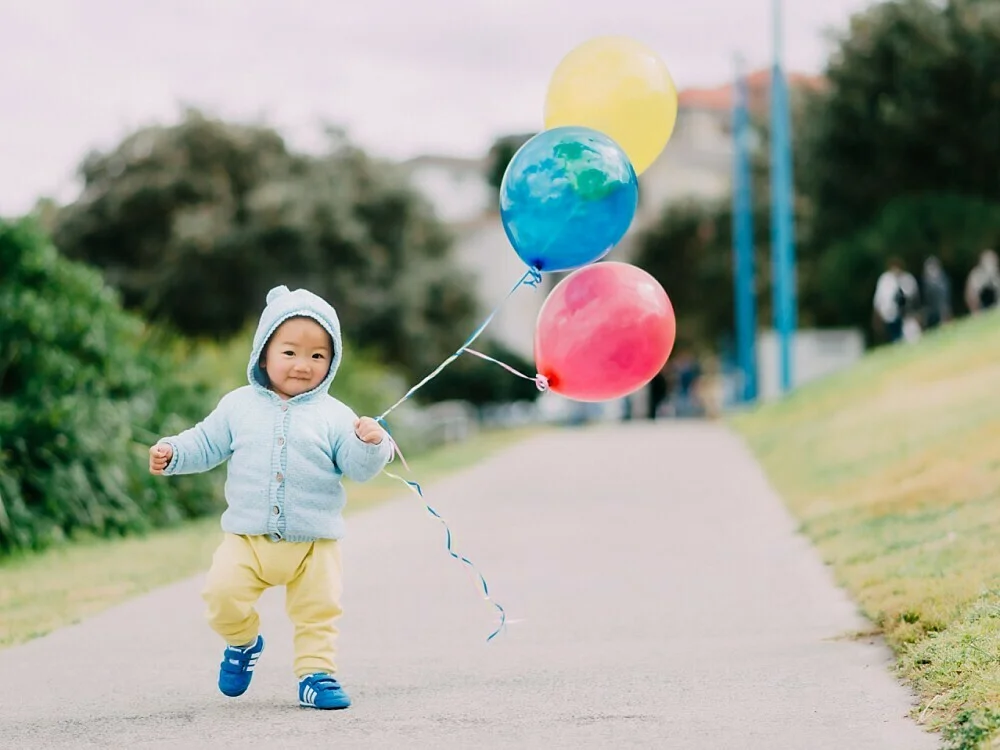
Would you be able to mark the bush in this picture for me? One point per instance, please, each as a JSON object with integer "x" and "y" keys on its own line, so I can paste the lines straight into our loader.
{"x": 84, "y": 389}
{"x": 192, "y": 223}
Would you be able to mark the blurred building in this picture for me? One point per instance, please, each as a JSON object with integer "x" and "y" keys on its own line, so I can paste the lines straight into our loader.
{"x": 697, "y": 163}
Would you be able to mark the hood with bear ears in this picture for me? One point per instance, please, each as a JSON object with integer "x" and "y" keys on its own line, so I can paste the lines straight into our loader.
{"x": 283, "y": 304}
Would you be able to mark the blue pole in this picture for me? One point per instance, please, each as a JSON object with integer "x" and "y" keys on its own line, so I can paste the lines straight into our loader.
{"x": 782, "y": 223}
{"x": 743, "y": 248}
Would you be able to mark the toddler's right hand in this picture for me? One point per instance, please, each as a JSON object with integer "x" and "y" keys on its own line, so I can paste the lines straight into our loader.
{"x": 159, "y": 457}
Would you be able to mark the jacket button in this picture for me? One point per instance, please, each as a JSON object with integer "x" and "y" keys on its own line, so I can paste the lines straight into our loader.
{"x": 281, "y": 441}
{"x": 279, "y": 476}
{"x": 277, "y": 510}
{"x": 284, "y": 407}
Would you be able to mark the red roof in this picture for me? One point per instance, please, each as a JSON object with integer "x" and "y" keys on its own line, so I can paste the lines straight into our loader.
{"x": 758, "y": 83}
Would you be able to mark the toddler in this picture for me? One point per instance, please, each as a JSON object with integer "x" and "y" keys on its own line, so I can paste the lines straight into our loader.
{"x": 288, "y": 443}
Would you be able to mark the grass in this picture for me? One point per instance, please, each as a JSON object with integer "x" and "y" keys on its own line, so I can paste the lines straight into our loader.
{"x": 45, "y": 591}
{"x": 893, "y": 470}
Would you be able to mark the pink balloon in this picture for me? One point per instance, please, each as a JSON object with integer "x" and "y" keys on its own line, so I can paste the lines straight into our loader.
{"x": 604, "y": 332}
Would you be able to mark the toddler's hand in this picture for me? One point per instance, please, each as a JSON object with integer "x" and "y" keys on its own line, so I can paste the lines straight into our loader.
{"x": 369, "y": 431}
{"x": 159, "y": 457}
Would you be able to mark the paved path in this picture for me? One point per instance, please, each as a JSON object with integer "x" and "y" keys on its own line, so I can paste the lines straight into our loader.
{"x": 666, "y": 603}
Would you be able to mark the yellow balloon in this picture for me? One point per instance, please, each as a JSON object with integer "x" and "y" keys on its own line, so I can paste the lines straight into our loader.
{"x": 619, "y": 87}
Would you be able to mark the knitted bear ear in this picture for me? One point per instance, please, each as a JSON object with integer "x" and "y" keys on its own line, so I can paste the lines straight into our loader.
{"x": 278, "y": 291}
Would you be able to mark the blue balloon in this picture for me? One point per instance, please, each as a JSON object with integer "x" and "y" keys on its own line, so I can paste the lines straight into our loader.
{"x": 567, "y": 198}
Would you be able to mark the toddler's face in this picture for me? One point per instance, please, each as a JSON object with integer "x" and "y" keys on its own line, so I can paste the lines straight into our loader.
{"x": 297, "y": 357}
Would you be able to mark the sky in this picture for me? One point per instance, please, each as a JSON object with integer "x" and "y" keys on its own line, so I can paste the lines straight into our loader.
{"x": 404, "y": 77}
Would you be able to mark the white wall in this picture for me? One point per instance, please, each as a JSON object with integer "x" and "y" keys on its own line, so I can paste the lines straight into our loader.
{"x": 458, "y": 192}
{"x": 696, "y": 163}
{"x": 815, "y": 353}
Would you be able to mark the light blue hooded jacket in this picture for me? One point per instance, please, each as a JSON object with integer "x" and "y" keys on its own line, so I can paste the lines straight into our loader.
{"x": 287, "y": 456}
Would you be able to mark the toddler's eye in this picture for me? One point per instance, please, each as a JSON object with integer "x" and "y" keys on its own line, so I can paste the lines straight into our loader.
{"x": 317, "y": 356}
{"x": 289, "y": 353}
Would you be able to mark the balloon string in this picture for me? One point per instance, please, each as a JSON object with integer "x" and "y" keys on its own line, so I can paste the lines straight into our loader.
{"x": 417, "y": 490}
{"x": 532, "y": 278}
{"x": 541, "y": 382}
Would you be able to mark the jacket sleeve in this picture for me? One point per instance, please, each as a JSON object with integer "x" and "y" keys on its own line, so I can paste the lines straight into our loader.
{"x": 204, "y": 446}
{"x": 357, "y": 460}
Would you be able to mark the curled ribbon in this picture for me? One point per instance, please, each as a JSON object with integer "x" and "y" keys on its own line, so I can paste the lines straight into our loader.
{"x": 416, "y": 489}
{"x": 541, "y": 382}
{"x": 532, "y": 278}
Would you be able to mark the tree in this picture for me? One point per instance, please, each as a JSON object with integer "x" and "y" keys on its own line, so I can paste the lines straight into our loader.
{"x": 912, "y": 105}
{"x": 84, "y": 389}
{"x": 899, "y": 155}
{"x": 194, "y": 222}
{"x": 689, "y": 251}
{"x": 501, "y": 153}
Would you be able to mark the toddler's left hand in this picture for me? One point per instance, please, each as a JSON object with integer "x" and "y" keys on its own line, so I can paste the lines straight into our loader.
{"x": 369, "y": 431}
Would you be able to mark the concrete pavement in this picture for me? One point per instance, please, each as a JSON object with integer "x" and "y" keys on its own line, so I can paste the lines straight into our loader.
{"x": 666, "y": 603}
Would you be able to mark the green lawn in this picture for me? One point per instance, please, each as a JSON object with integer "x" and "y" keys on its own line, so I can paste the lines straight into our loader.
{"x": 893, "y": 469}
{"x": 41, "y": 592}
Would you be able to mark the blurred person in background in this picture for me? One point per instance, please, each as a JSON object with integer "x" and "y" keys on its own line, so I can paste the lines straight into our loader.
{"x": 659, "y": 392}
{"x": 686, "y": 372}
{"x": 936, "y": 294}
{"x": 896, "y": 297}
{"x": 982, "y": 288}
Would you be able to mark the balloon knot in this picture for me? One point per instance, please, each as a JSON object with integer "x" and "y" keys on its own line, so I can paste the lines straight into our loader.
{"x": 533, "y": 277}
{"x": 541, "y": 382}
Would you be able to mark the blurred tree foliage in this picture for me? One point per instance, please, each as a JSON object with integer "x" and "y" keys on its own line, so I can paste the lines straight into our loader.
{"x": 194, "y": 222}
{"x": 689, "y": 249}
{"x": 912, "y": 105}
{"x": 688, "y": 252}
{"x": 900, "y": 154}
{"x": 501, "y": 153}
{"x": 84, "y": 389}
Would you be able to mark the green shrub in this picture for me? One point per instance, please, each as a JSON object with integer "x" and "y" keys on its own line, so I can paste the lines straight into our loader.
{"x": 84, "y": 389}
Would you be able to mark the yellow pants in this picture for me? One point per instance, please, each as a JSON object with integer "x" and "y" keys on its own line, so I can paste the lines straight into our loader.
{"x": 244, "y": 566}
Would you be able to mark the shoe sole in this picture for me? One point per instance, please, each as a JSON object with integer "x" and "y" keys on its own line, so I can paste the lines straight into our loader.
{"x": 303, "y": 704}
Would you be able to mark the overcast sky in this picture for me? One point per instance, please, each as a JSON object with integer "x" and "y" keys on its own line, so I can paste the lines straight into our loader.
{"x": 404, "y": 76}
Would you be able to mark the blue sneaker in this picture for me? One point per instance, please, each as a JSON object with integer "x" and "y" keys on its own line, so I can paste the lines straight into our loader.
{"x": 321, "y": 690}
{"x": 236, "y": 669}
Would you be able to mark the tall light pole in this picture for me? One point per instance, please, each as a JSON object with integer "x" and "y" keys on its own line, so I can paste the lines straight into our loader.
{"x": 782, "y": 221}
